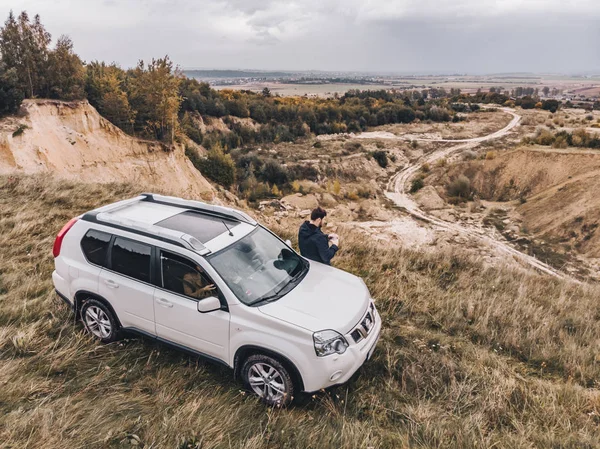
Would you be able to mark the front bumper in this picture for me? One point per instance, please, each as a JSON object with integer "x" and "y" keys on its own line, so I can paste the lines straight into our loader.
{"x": 337, "y": 369}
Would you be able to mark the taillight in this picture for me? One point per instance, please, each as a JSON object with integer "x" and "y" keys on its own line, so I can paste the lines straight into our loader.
{"x": 61, "y": 235}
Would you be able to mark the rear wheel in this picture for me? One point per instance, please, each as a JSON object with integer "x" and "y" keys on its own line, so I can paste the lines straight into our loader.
{"x": 99, "y": 321}
{"x": 269, "y": 379}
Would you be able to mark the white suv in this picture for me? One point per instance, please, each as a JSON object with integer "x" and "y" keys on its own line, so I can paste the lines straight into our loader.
{"x": 211, "y": 280}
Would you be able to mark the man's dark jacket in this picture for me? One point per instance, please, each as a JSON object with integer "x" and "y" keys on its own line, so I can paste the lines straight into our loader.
{"x": 314, "y": 245}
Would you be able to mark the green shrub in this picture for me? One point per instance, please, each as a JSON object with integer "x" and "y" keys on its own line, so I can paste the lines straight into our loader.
{"x": 365, "y": 192}
{"x": 301, "y": 171}
{"x": 550, "y": 105}
{"x": 459, "y": 187}
{"x": 193, "y": 133}
{"x": 259, "y": 192}
{"x": 273, "y": 172}
{"x": 381, "y": 158}
{"x": 439, "y": 114}
{"x": 560, "y": 142}
{"x": 20, "y": 130}
{"x": 193, "y": 156}
{"x": 353, "y": 146}
{"x": 416, "y": 185}
{"x": 218, "y": 167}
{"x": 544, "y": 137}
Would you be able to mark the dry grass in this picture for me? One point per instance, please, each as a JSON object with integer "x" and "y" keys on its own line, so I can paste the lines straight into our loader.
{"x": 469, "y": 357}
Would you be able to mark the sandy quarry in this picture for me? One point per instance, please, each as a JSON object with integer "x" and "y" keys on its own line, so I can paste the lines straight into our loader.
{"x": 71, "y": 140}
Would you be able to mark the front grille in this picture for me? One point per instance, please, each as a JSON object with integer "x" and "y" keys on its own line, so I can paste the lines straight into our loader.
{"x": 362, "y": 330}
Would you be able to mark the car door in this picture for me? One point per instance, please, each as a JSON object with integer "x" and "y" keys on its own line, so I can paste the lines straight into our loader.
{"x": 176, "y": 308}
{"x": 127, "y": 283}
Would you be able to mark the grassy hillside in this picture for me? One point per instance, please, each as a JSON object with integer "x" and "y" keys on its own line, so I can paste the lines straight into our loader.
{"x": 469, "y": 357}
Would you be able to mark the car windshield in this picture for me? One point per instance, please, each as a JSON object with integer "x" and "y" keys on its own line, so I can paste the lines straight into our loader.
{"x": 259, "y": 267}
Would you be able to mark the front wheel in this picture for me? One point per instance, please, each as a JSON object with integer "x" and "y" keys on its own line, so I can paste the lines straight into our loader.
{"x": 269, "y": 379}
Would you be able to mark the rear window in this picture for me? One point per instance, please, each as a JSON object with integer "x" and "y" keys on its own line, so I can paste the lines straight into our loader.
{"x": 131, "y": 259}
{"x": 95, "y": 246}
{"x": 203, "y": 227}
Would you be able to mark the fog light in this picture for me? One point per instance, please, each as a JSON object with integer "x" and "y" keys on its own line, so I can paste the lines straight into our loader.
{"x": 335, "y": 376}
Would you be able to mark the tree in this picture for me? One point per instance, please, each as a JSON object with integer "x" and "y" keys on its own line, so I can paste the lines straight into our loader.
{"x": 154, "y": 95}
{"x": 104, "y": 88}
{"x": 526, "y": 102}
{"x": 550, "y": 105}
{"x": 10, "y": 93}
{"x": 115, "y": 107}
{"x": 24, "y": 47}
{"x": 546, "y": 91}
{"x": 66, "y": 75}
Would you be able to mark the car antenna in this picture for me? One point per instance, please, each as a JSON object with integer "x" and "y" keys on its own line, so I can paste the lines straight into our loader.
{"x": 225, "y": 224}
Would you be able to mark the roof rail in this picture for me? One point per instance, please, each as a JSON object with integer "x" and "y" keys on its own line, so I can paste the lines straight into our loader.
{"x": 198, "y": 206}
{"x": 177, "y": 238}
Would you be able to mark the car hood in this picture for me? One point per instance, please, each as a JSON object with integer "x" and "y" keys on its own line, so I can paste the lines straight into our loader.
{"x": 327, "y": 298}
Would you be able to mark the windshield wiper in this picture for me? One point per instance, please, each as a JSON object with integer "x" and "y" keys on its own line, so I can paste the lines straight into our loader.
{"x": 275, "y": 295}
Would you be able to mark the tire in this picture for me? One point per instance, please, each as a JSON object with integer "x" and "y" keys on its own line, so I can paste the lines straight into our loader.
{"x": 99, "y": 321}
{"x": 269, "y": 379}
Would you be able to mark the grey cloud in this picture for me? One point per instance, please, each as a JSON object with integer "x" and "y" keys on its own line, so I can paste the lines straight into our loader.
{"x": 366, "y": 35}
{"x": 249, "y": 6}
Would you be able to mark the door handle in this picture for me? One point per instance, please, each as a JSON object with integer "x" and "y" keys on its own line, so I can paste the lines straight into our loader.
{"x": 111, "y": 284}
{"x": 165, "y": 303}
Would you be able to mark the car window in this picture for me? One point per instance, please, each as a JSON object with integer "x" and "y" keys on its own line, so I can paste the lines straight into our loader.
{"x": 131, "y": 259}
{"x": 184, "y": 277}
{"x": 95, "y": 246}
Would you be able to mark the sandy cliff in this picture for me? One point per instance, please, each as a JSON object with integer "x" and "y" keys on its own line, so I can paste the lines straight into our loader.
{"x": 71, "y": 140}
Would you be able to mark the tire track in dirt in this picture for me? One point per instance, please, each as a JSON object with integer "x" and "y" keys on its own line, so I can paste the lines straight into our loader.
{"x": 397, "y": 192}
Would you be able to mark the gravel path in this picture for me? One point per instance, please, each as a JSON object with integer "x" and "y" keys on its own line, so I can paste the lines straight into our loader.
{"x": 397, "y": 191}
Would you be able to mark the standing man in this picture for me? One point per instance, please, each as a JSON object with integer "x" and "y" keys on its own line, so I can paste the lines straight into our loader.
{"x": 313, "y": 243}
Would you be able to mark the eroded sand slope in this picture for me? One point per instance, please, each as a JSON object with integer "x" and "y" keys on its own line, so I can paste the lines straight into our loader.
{"x": 71, "y": 140}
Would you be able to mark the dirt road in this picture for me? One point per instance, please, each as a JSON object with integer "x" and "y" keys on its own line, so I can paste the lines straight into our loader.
{"x": 397, "y": 191}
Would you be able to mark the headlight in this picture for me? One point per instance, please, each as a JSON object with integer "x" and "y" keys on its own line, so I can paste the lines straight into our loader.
{"x": 329, "y": 342}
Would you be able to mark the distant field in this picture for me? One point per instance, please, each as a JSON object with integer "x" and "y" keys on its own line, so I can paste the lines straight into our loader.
{"x": 321, "y": 90}
{"x": 592, "y": 91}
{"x": 467, "y": 84}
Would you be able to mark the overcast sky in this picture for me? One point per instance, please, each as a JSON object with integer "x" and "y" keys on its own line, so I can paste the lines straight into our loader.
{"x": 459, "y": 36}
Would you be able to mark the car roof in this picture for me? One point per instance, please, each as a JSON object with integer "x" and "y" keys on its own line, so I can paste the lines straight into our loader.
{"x": 200, "y": 227}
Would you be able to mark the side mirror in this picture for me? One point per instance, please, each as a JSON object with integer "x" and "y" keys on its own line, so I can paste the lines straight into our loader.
{"x": 209, "y": 304}
{"x": 288, "y": 242}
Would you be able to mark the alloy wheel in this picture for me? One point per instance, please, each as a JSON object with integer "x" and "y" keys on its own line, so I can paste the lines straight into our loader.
{"x": 97, "y": 322}
{"x": 267, "y": 382}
